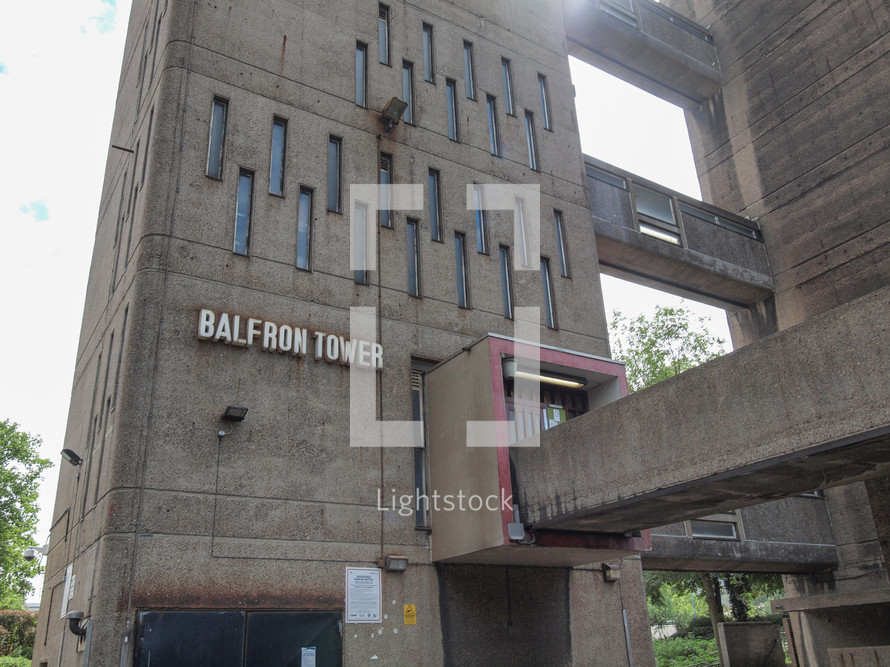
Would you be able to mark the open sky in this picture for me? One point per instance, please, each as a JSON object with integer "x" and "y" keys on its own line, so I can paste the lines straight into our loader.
{"x": 59, "y": 68}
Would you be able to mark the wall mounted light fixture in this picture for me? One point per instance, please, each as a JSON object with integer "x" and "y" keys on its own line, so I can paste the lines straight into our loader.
{"x": 234, "y": 414}
{"x": 71, "y": 456}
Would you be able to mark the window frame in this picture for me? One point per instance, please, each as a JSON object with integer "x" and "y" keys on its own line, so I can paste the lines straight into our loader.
{"x": 544, "y": 94}
{"x": 241, "y": 246}
{"x": 480, "y": 216}
{"x": 361, "y": 75}
{"x": 216, "y": 138}
{"x": 462, "y": 274}
{"x": 506, "y": 280}
{"x": 451, "y": 109}
{"x": 383, "y": 35}
{"x": 429, "y": 62}
{"x": 549, "y": 297}
{"x": 361, "y": 276}
{"x": 435, "y": 210}
{"x": 507, "y": 75}
{"x": 384, "y": 182}
{"x": 408, "y": 91}
{"x": 494, "y": 139}
{"x": 336, "y": 174}
{"x": 412, "y": 225}
{"x": 469, "y": 71}
{"x": 531, "y": 141}
{"x": 561, "y": 249}
{"x": 278, "y": 121}
{"x": 307, "y": 252}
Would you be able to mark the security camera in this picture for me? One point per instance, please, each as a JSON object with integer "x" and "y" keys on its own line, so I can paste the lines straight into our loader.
{"x": 30, "y": 554}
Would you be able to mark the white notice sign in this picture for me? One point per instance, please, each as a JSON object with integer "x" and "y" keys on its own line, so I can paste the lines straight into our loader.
{"x": 364, "y": 598}
{"x": 307, "y": 656}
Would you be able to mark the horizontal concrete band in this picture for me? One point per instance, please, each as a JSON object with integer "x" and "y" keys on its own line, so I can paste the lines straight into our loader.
{"x": 806, "y": 408}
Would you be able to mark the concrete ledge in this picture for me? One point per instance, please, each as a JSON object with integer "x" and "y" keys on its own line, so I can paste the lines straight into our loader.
{"x": 806, "y": 408}
{"x": 832, "y": 600}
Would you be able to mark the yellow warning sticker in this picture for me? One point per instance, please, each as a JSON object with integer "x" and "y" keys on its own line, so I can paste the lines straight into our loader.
{"x": 410, "y": 614}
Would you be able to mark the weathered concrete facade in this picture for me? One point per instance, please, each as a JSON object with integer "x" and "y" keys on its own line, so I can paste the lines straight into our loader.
{"x": 174, "y": 509}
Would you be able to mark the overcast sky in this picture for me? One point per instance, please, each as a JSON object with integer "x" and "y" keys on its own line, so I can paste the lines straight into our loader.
{"x": 59, "y": 70}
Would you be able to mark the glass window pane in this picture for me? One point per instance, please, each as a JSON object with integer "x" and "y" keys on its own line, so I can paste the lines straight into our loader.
{"x": 383, "y": 34}
{"x": 361, "y": 74}
{"x": 481, "y": 220}
{"x": 549, "y": 312}
{"x": 304, "y": 229}
{"x": 561, "y": 244}
{"x": 545, "y": 102}
{"x": 408, "y": 91}
{"x": 714, "y": 529}
{"x": 360, "y": 251}
{"x": 451, "y": 102}
{"x": 508, "y": 85}
{"x": 506, "y": 282}
{"x": 276, "y": 162}
{"x": 520, "y": 232}
{"x": 530, "y": 140}
{"x": 242, "y": 212}
{"x": 385, "y": 180}
{"x": 654, "y": 204}
{"x": 428, "y": 73}
{"x": 334, "y": 174}
{"x": 469, "y": 74}
{"x": 493, "y": 140}
{"x": 411, "y": 244}
{"x": 460, "y": 258}
{"x": 217, "y": 138}
{"x": 435, "y": 230}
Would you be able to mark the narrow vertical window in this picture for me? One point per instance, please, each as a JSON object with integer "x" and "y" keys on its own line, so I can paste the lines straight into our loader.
{"x": 460, "y": 259}
{"x": 217, "y": 138}
{"x": 385, "y": 180}
{"x": 561, "y": 244}
{"x": 361, "y": 74}
{"x": 506, "y": 282}
{"x": 243, "y": 212}
{"x": 530, "y": 141}
{"x": 413, "y": 263}
{"x": 549, "y": 312}
{"x": 421, "y": 519}
{"x": 120, "y": 358}
{"x": 276, "y": 161}
{"x": 151, "y": 117}
{"x": 304, "y": 229}
{"x": 507, "y": 72}
{"x": 481, "y": 220}
{"x": 545, "y": 101}
{"x": 408, "y": 91}
{"x": 469, "y": 73}
{"x": 360, "y": 245}
{"x": 383, "y": 33}
{"x": 494, "y": 144}
{"x": 334, "y": 145}
{"x": 451, "y": 101}
{"x": 435, "y": 206}
{"x": 520, "y": 232}
{"x": 428, "y": 64}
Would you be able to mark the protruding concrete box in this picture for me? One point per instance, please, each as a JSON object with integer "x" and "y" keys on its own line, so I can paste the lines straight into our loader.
{"x": 476, "y": 411}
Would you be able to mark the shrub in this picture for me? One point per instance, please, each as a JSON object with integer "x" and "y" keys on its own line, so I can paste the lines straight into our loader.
{"x": 17, "y": 630}
{"x": 9, "y": 661}
{"x": 697, "y": 628}
{"x": 676, "y": 652}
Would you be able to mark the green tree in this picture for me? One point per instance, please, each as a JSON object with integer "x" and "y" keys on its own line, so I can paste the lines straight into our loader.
{"x": 20, "y": 472}
{"x": 670, "y": 342}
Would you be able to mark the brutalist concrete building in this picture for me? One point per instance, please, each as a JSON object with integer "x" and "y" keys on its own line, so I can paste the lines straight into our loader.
{"x": 344, "y": 392}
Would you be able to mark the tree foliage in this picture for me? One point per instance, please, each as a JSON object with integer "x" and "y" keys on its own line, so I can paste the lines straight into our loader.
{"x": 653, "y": 349}
{"x": 20, "y": 472}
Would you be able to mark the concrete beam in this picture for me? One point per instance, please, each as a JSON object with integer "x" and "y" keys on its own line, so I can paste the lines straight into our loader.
{"x": 651, "y": 47}
{"x": 806, "y": 408}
